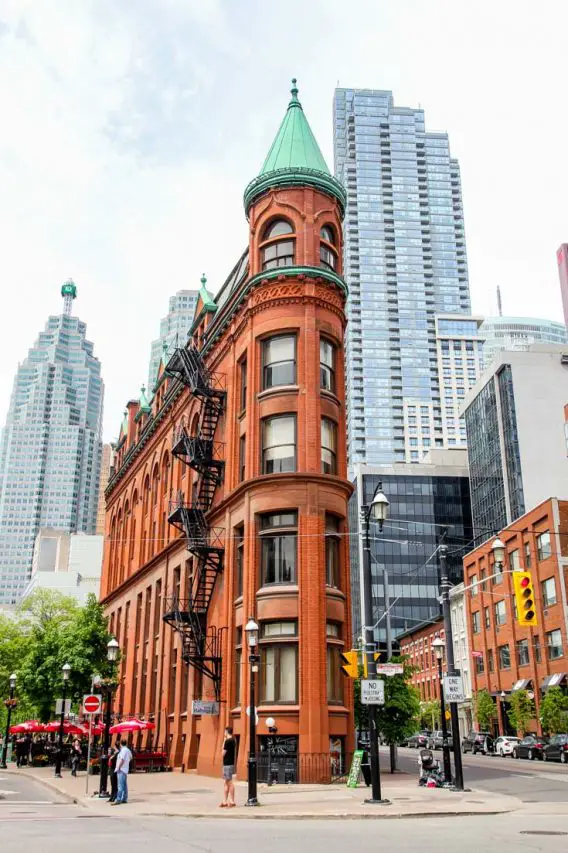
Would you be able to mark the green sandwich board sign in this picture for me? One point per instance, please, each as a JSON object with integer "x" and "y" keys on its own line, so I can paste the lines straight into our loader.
{"x": 355, "y": 771}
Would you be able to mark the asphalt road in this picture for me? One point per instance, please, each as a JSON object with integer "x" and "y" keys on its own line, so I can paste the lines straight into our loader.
{"x": 69, "y": 832}
{"x": 31, "y": 818}
{"x": 531, "y": 781}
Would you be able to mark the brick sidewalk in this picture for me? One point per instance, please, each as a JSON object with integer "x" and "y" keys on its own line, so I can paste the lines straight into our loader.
{"x": 190, "y": 795}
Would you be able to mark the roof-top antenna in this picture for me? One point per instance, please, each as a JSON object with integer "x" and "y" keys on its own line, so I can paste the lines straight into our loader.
{"x": 499, "y": 305}
{"x": 69, "y": 293}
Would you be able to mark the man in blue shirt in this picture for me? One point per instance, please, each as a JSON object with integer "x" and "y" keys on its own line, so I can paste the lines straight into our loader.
{"x": 122, "y": 769}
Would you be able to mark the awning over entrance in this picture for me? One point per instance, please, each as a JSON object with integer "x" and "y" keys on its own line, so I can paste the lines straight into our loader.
{"x": 521, "y": 684}
{"x": 554, "y": 680}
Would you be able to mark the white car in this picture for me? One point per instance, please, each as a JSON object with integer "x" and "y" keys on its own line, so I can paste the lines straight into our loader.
{"x": 505, "y": 745}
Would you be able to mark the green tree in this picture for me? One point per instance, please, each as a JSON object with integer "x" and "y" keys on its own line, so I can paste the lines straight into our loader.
{"x": 554, "y": 711}
{"x": 485, "y": 709}
{"x": 57, "y": 632}
{"x": 521, "y": 710}
{"x": 398, "y": 717}
{"x": 430, "y": 714}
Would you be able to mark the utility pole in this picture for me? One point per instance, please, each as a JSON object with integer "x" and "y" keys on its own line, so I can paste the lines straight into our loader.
{"x": 445, "y": 595}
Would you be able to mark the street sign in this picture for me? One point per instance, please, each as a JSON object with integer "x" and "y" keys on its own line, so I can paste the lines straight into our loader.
{"x": 206, "y": 709}
{"x": 92, "y": 703}
{"x": 453, "y": 688}
{"x": 59, "y": 708}
{"x": 390, "y": 669}
{"x": 372, "y": 691}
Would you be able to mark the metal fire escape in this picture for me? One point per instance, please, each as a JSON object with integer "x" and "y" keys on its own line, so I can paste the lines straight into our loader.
{"x": 201, "y": 643}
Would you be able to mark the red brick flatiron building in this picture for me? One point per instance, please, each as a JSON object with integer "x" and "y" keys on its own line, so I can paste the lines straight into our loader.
{"x": 229, "y": 494}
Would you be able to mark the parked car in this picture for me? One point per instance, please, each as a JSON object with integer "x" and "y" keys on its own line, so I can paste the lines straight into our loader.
{"x": 421, "y": 740}
{"x": 505, "y": 745}
{"x": 477, "y": 742}
{"x": 531, "y": 746}
{"x": 556, "y": 749}
{"x": 437, "y": 739}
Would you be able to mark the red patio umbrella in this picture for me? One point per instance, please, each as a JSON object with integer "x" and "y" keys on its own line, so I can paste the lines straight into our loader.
{"x": 132, "y": 726}
{"x": 29, "y": 727}
{"x": 68, "y": 728}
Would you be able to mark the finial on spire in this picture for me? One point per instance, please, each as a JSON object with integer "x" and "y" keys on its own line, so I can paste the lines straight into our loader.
{"x": 499, "y": 304}
{"x": 203, "y": 279}
{"x": 294, "y": 92}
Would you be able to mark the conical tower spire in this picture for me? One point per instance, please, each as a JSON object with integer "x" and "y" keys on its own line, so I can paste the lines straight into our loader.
{"x": 294, "y": 158}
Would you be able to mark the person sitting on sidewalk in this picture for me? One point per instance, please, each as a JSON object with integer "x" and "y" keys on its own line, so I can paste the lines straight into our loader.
{"x": 229, "y": 755}
{"x": 122, "y": 770}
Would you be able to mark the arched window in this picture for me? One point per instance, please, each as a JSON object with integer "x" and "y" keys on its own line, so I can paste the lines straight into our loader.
{"x": 328, "y": 251}
{"x": 276, "y": 248}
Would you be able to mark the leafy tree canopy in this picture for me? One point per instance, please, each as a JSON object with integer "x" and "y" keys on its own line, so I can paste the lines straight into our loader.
{"x": 554, "y": 711}
{"x": 48, "y": 631}
{"x": 485, "y": 709}
{"x": 521, "y": 710}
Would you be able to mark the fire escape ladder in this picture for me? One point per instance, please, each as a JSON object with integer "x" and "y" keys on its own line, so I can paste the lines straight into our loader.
{"x": 201, "y": 643}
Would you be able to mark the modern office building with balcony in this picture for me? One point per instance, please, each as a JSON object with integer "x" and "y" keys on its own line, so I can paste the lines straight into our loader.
{"x": 50, "y": 454}
{"x": 515, "y": 435}
{"x": 405, "y": 261}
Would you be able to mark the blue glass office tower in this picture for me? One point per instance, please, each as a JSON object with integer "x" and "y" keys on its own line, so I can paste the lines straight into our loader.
{"x": 50, "y": 454}
{"x": 405, "y": 261}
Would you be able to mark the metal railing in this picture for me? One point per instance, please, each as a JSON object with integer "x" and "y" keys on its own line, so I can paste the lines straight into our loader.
{"x": 321, "y": 768}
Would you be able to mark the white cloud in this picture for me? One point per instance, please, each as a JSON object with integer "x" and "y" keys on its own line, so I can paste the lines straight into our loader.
{"x": 129, "y": 130}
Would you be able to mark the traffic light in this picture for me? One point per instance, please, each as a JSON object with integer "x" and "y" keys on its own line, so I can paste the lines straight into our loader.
{"x": 525, "y": 599}
{"x": 350, "y": 663}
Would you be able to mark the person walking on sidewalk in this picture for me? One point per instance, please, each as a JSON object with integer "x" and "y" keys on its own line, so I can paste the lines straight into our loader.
{"x": 122, "y": 770}
{"x": 76, "y": 755}
{"x": 229, "y": 756}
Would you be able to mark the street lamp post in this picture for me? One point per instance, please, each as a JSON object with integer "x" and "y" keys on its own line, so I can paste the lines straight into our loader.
{"x": 9, "y": 705}
{"x": 451, "y": 667}
{"x": 66, "y": 671}
{"x": 438, "y": 646}
{"x": 112, "y": 655}
{"x": 378, "y": 511}
{"x": 503, "y": 698}
{"x": 251, "y": 631}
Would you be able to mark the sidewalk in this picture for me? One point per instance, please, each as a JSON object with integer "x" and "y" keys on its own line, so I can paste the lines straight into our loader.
{"x": 192, "y": 796}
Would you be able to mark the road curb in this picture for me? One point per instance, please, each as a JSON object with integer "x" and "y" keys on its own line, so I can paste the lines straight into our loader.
{"x": 51, "y": 786}
{"x": 339, "y": 816}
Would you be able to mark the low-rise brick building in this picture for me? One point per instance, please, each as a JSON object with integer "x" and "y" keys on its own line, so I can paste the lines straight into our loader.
{"x": 505, "y": 656}
{"x": 416, "y": 645}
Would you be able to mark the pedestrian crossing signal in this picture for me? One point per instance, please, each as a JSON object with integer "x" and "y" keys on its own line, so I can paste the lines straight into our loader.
{"x": 525, "y": 599}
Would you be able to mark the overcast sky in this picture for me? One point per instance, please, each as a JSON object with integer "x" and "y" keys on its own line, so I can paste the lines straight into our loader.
{"x": 129, "y": 129}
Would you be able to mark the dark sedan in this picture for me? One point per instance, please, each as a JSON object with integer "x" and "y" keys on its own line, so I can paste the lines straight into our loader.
{"x": 556, "y": 749}
{"x": 421, "y": 740}
{"x": 530, "y": 747}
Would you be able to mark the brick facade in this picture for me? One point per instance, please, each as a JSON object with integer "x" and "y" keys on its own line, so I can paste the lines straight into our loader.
{"x": 416, "y": 645}
{"x": 147, "y": 565}
{"x": 505, "y": 655}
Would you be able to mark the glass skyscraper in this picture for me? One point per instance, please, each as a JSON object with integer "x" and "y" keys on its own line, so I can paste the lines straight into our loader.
{"x": 174, "y": 331}
{"x": 405, "y": 261}
{"x": 50, "y": 454}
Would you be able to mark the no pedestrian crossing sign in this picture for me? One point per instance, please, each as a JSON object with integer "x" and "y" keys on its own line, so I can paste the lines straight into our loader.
{"x": 92, "y": 703}
{"x": 372, "y": 691}
{"x": 453, "y": 688}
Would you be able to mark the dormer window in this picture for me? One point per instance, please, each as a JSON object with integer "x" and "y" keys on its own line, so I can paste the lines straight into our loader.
{"x": 328, "y": 250}
{"x": 276, "y": 248}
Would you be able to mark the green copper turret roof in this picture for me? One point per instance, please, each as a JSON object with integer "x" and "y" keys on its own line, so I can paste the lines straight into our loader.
{"x": 294, "y": 159}
{"x": 144, "y": 404}
{"x": 206, "y": 297}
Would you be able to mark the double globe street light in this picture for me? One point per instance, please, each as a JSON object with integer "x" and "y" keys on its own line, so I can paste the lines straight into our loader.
{"x": 10, "y": 704}
{"x": 112, "y": 657}
{"x": 251, "y": 631}
{"x": 439, "y": 645}
{"x": 66, "y": 672}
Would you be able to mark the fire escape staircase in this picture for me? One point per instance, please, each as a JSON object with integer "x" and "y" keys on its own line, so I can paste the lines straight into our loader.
{"x": 201, "y": 643}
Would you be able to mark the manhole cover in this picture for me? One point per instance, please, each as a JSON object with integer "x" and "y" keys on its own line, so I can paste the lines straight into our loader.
{"x": 541, "y": 832}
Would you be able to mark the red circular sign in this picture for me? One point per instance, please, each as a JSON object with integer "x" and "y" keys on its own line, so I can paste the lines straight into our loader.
{"x": 91, "y": 704}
